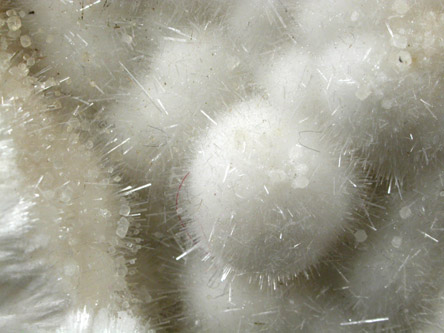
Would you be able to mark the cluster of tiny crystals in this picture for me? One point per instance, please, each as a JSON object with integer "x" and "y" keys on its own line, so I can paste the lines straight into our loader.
{"x": 82, "y": 230}
{"x": 235, "y": 165}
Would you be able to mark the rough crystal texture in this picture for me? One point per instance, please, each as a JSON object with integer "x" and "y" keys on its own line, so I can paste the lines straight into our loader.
{"x": 221, "y": 165}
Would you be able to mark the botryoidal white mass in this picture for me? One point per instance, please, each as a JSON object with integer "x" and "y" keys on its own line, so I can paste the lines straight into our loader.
{"x": 84, "y": 41}
{"x": 58, "y": 235}
{"x": 267, "y": 186}
{"x": 381, "y": 80}
{"x": 167, "y": 106}
{"x": 263, "y": 195}
{"x": 238, "y": 304}
{"x": 92, "y": 44}
{"x": 390, "y": 276}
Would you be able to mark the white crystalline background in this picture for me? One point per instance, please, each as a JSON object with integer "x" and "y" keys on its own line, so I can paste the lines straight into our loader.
{"x": 221, "y": 166}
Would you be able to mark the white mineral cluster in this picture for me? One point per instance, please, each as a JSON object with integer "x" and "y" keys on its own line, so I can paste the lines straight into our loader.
{"x": 242, "y": 305}
{"x": 392, "y": 274}
{"x": 382, "y": 88}
{"x": 260, "y": 177}
{"x": 188, "y": 77}
{"x": 76, "y": 38}
{"x": 60, "y": 254}
{"x": 221, "y": 165}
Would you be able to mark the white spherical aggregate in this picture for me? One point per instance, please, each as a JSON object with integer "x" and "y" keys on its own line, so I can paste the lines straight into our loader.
{"x": 241, "y": 305}
{"x": 167, "y": 105}
{"x": 394, "y": 271}
{"x": 221, "y": 306}
{"x": 57, "y": 228}
{"x": 285, "y": 77}
{"x": 260, "y": 192}
{"x": 81, "y": 55}
{"x": 382, "y": 89}
{"x": 264, "y": 196}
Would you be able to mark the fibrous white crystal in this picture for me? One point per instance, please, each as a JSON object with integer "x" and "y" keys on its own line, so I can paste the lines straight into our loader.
{"x": 391, "y": 276}
{"x": 240, "y": 304}
{"x": 58, "y": 264}
{"x": 278, "y": 225}
{"x": 250, "y": 127}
